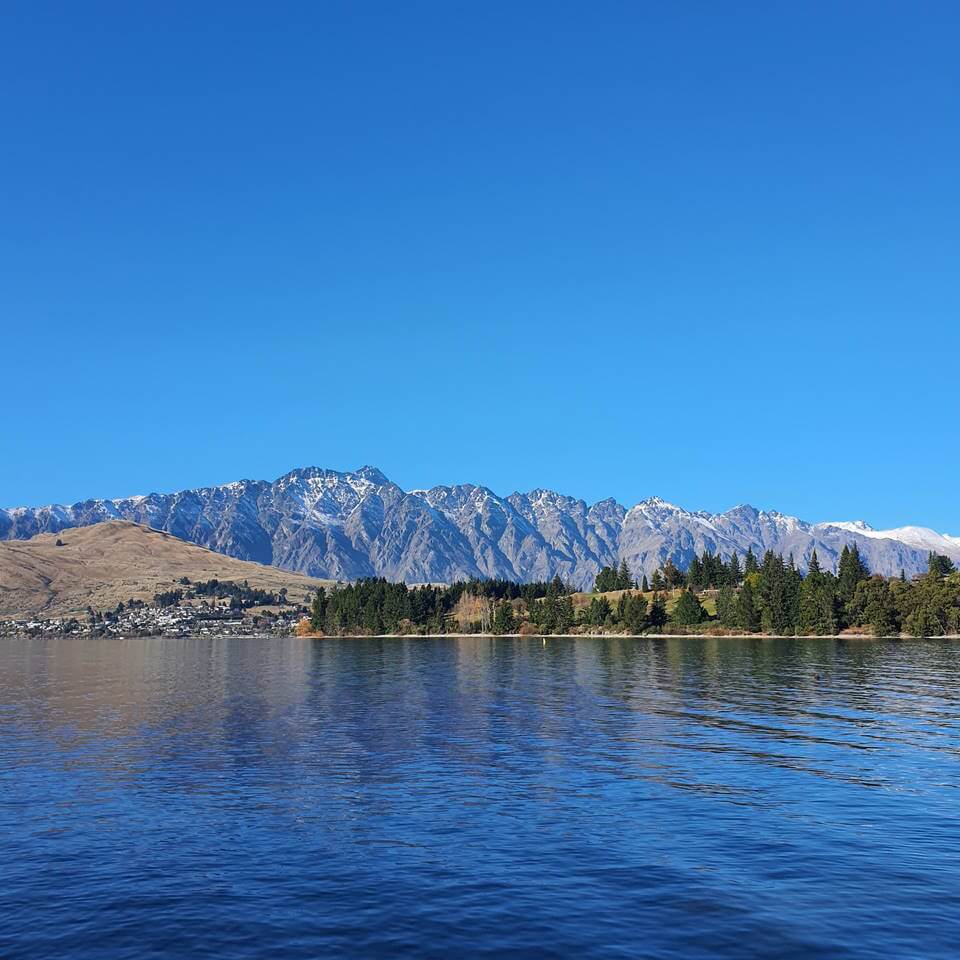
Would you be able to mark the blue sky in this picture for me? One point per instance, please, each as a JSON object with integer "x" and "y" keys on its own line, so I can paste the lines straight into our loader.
{"x": 705, "y": 251}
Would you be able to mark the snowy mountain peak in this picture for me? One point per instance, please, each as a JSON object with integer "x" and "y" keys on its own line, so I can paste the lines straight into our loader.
{"x": 857, "y": 526}
{"x": 372, "y": 474}
{"x": 658, "y": 504}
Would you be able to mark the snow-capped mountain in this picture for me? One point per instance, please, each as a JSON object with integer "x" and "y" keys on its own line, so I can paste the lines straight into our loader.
{"x": 354, "y": 524}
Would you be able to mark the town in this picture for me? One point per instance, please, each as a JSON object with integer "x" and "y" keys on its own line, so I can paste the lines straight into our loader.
{"x": 210, "y": 608}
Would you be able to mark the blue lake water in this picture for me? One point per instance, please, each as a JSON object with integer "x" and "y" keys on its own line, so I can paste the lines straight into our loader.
{"x": 479, "y": 798}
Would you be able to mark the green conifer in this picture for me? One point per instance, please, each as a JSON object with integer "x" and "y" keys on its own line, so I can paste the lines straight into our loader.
{"x": 688, "y": 610}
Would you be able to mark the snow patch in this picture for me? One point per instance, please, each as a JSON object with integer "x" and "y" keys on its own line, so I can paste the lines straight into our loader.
{"x": 922, "y": 538}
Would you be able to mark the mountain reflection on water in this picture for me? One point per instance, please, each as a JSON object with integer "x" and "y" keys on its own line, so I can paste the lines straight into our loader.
{"x": 590, "y": 797}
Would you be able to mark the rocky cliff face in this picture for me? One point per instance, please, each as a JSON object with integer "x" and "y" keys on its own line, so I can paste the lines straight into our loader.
{"x": 357, "y": 524}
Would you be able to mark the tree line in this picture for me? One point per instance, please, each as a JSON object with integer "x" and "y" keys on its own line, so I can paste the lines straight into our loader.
{"x": 769, "y": 595}
{"x": 375, "y": 605}
{"x": 241, "y": 595}
{"x": 772, "y": 596}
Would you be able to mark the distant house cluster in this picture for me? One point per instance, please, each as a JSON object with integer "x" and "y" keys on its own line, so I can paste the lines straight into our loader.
{"x": 214, "y": 608}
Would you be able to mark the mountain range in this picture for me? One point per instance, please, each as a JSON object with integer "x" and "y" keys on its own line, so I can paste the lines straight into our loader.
{"x": 346, "y": 525}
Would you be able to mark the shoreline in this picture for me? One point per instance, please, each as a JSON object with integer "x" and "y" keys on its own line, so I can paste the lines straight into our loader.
{"x": 624, "y": 636}
{"x": 482, "y": 636}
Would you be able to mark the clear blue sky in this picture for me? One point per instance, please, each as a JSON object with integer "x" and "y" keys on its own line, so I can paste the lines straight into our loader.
{"x": 706, "y": 251}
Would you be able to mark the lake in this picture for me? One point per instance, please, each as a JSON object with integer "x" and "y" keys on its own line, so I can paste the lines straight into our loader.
{"x": 480, "y": 797}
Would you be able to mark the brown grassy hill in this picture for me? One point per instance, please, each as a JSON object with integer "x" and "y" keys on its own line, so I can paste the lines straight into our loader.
{"x": 101, "y": 565}
{"x": 581, "y": 600}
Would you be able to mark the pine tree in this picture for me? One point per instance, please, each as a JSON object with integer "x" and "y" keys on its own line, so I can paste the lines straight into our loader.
{"x": 714, "y": 571}
{"x": 503, "y": 619}
{"x": 727, "y": 606}
{"x": 750, "y": 564}
{"x": 318, "y": 610}
{"x": 657, "y": 616}
{"x": 392, "y": 609}
{"x": 695, "y": 574}
{"x": 624, "y": 580}
{"x": 605, "y": 581}
{"x": 688, "y": 610}
{"x": 599, "y": 611}
{"x": 817, "y": 601}
{"x": 878, "y": 609}
{"x": 635, "y": 613}
{"x": 774, "y": 596}
{"x": 549, "y": 615}
{"x": 748, "y": 616}
{"x": 657, "y": 584}
{"x": 645, "y": 587}
{"x": 372, "y": 622}
{"x": 850, "y": 572}
{"x": 672, "y": 575}
{"x": 794, "y": 581}
{"x": 734, "y": 574}
{"x": 939, "y": 565}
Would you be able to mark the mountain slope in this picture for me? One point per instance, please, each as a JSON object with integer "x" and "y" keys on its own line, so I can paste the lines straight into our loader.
{"x": 101, "y": 565}
{"x": 345, "y": 525}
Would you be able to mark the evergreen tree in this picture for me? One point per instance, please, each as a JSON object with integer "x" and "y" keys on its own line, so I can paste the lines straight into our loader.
{"x": 774, "y": 596}
{"x": 794, "y": 581}
{"x": 372, "y": 622}
{"x": 549, "y": 615}
{"x": 392, "y": 610}
{"x": 635, "y": 613}
{"x": 606, "y": 580}
{"x": 727, "y": 606}
{"x": 809, "y": 599}
{"x": 318, "y": 610}
{"x": 624, "y": 580}
{"x": 695, "y": 578}
{"x": 750, "y": 564}
{"x": 872, "y": 605}
{"x": 645, "y": 587}
{"x": 934, "y": 606}
{"x": 503, "y": 619}
{"x": 658, "y": 584}
{"x": 658, "y": 613}
{"x": 688, "y": 609}
{"x": 714, "y": 571}
{"x": 734, "y": 574}
{"x": 565, "y": 614}
{"x": 599, "y": 611}
{"x": 620, "y": 611}
{"x": 673, "y": 576}
{"x": 939, "y": 565}
{"x": 850, "y": 572}
{"x": 816, "y": 606}
{"x": 748, "y": 616}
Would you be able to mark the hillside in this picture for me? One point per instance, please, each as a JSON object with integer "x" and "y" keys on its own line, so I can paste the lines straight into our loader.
{"x": 344, "y": 526}
{"x": 101, "y": 565}
{"x": 581, "y": 600}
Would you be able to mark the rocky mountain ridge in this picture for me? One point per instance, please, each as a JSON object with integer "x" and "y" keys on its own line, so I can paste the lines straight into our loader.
{"x": 345, "y": 525}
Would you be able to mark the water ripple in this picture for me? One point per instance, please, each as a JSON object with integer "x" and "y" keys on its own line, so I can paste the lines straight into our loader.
{"x": 479, "y": 797}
